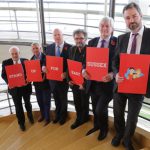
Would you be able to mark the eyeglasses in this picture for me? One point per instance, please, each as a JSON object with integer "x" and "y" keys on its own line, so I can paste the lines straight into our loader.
{"x": 82, "y": 38}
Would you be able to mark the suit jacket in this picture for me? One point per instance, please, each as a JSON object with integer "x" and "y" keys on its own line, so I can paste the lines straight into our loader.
{"x": 14, "y": 91}
{"x": 44, "y": 84}
{"x": 50, "y": 50}
{"x": 122, "y": 45}
{"x": 112, "y": 44}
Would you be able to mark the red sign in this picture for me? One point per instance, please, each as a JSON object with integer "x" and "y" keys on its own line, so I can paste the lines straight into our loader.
{"x": 75, "y": 74}
{"x": 15, "y": 75}
{"x": 97, "y": 62}
{"x": 135, "y": 69}
{"x": 54, "y": 66}
{"x": 33, "y": 70}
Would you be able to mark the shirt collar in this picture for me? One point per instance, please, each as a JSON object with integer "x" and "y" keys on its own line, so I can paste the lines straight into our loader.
{"x": 39, "y": 57}
{"x": 107, "y": 39}
{"x": 19, "y": 61}
{"x": 140, "y": 32}
{"x": 61, "y": 45}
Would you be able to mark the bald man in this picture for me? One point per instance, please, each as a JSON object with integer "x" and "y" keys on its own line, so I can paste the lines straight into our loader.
{"x": 59, "y": 88}
{"x": 18, "y": 93}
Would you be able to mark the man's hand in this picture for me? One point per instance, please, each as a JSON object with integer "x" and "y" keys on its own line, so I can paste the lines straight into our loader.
{"x": 81, "y": 87}
{"x": 63, "y": 75}
{"x": 119, "y": 79}
{"x": 44, "y": 69}
{"x": 108, "y": 77}
{"x": 85, "y": 75}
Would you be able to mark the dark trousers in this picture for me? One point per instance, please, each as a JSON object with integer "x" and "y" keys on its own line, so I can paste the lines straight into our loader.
{"x": 17, "y": 99}
{"x": 43, "y": 98}
{"x": 100, "y": 101}
{"x": 61, "y": 99}
{"x": 134, "y": 106}
{"x": 81, "y": 102}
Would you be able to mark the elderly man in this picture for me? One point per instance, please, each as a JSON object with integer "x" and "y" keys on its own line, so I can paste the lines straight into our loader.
{"x": 59, "y": 88}
{"x": 42, "y": 89}
{"x": 81, "y": 98}
{"x": 134, "y": 42}
{"x": 18, "y": 93}
{"x": 102, "y": 92}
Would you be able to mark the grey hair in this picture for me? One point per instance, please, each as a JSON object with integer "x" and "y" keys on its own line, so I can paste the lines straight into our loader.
{"x": 14, "y": 47}
{"x": 35, "y": 44}
{"x": 78, "y": 31}
{"x": 132, "y": 5}
{"x": 109, "y": 20}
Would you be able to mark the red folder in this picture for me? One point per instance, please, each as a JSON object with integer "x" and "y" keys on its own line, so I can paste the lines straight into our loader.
{"x": 135, "y": 69}
{"x": 33, "y": 70}
{"x": 15, "y": 75}
{"x": 75, "y": 69}
{"x": 97, "y": 62}
{"x": 54, "y": 66}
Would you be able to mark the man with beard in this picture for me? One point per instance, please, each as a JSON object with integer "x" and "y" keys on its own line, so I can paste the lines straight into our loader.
{"x": 135, "y": 42}
{"x": 81, "y": 99}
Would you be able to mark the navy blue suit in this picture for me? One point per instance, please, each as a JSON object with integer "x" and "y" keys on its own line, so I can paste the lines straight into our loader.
{"x": 134, "y": 100}
{"x": 60, "y": 88}
{"x": 101, "y": 93}
{"x": 18, "y": 93}
{"x": 42, "y": 91}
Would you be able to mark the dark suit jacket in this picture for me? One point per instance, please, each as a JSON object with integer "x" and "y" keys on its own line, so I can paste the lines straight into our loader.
{"x": 50, "y": 50}
{"x": 45, "y": 83}
{"x": 14, "y": 91}
{"x": 122, "y": 45}
{"x": 112, "y": 44}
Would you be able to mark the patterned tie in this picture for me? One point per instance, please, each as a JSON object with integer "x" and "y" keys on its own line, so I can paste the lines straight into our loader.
{"x": 58, "y": 51}
{"x": 102, "y": 43}
{"x": 133, "y": 47}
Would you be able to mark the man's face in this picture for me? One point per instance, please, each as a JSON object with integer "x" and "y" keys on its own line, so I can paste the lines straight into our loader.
{"x": 133, "y": 19}
{"x": 36, "y": 50}
{"x": 79, "y": 40}
{"x": 14, "y": 54}
{"x": 58, "y": 37}
{"x": 105, "y": 29}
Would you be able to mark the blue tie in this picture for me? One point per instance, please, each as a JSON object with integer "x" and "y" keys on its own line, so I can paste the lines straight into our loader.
{"x": 58, "y": 51}
{"x": 102, "y": 43}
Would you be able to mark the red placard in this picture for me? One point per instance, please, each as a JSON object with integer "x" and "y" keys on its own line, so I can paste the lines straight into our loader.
{"x": 54, "y": 66}
{"x": 15, "y": 75}
{"x": 97, "y": 62}
{"x": 75, "y": 69}
{"x": 33, "y": 70}
{"x": 135, "y": 69}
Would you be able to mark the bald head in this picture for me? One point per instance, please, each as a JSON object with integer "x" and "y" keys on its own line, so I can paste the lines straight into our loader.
{"x": 14, "y": 52}
{"x": 58, "y": 36}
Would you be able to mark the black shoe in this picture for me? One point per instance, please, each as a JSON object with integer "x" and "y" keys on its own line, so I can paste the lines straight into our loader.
{"x": 102, "y": 135}
{"x": 40, "y": 119}
{"x": 116, "y": 141}
{"x": 91, "y": 131}
{"x": 22, "y": 127}
{"x": 75, "y": 125}
{"x": 128, "y": 146}
{"x": 31, "y": 120}
{"x": 46, "y": 123}
{"x": 56, "y": 120}
{"x": 62, "y": 121}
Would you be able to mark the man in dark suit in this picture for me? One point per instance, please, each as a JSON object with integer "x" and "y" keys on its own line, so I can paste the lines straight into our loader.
{"x": 59, "y": 88}
{"x": 18, "y": 93}
{"x": 102, "y": 92}
{"x": 42, "y": 89}
{"x": 135, "y": 42}
{"x": 80, "y": 97}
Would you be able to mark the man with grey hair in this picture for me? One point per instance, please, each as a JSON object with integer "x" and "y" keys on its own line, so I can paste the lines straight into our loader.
{"x": 18, "y": 93}
{"x": 102, "y": 92}
{"x": 81, "y": 99}
{"x": 134, "y": 42}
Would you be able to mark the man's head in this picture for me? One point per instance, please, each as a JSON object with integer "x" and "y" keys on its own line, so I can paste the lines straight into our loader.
{"x": 106, "y": 27}
{"x": 36, "y": 48}
{"x": 15, "y": 53}
{"x": 80, "y": 37}
{"x": 133, "y": 17}
{"x": 58, "y": 36}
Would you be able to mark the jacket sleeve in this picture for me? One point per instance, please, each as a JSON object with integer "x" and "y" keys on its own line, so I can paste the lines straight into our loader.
{"x": 3, "y": 74}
